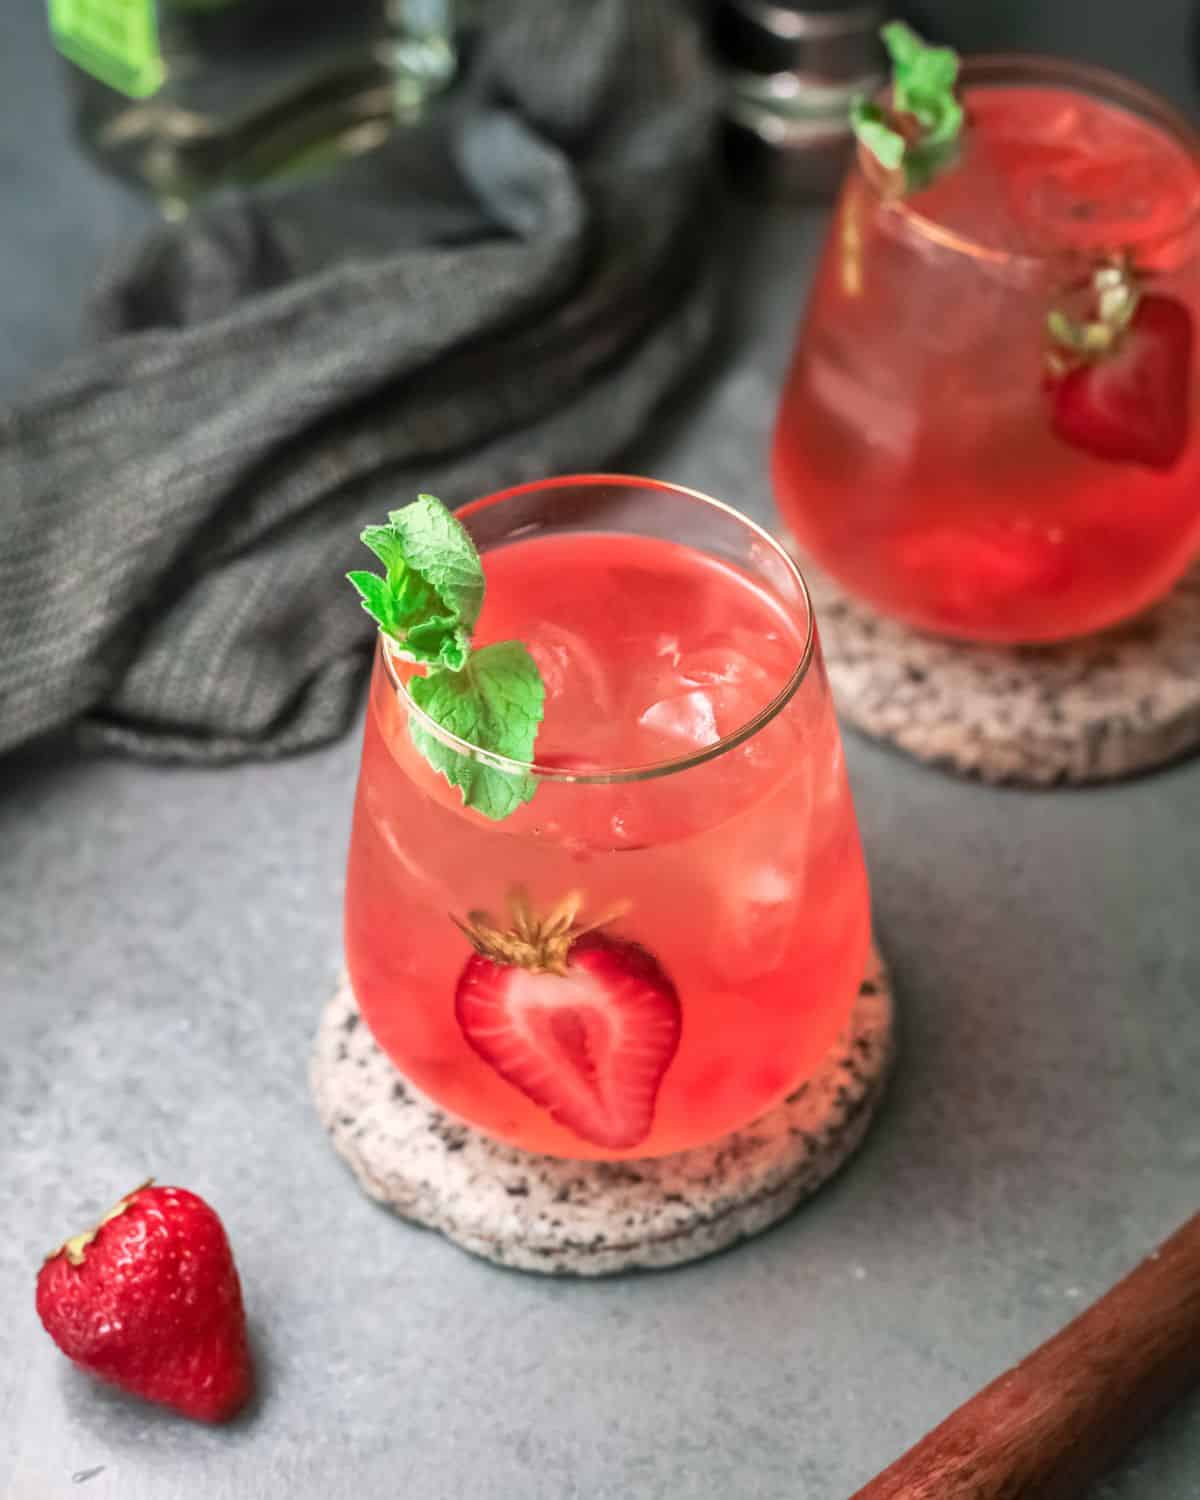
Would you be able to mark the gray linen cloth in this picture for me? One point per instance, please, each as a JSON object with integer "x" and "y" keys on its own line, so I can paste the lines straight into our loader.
{"x": 504, "y": 294}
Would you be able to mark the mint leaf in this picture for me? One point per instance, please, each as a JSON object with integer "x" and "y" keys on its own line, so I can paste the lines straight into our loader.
{"x": 376, "y": 599}
{"x": 430, "y": 597}
{"x": 495, "y": 703}
{"x": 871, "y": 127}
{"x": 922, "y": 163}
{"x": 437, "y": 547}
{"x": 428, "y": 601}
{"x": 923, "y": 83}
{"x": 923, "y": 80}
{"x": 917, "y": 67}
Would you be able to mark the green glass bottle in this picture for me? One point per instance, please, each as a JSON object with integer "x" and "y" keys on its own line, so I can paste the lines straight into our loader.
{"x": 188, "y": 95}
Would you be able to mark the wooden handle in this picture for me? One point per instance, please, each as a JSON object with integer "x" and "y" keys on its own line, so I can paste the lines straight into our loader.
{"x": 1056, "y": 1421}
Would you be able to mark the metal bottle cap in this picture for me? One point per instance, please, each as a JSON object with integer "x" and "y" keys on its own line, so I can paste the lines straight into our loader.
{"x": 783, "y": 148}
{"x": 820, "y": 38}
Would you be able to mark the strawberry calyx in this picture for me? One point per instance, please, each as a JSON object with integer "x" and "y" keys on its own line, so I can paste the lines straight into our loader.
{"x": 74, "y": 1248}
{"x": 539, "y": 944}
{"x": 1089, "y": 318}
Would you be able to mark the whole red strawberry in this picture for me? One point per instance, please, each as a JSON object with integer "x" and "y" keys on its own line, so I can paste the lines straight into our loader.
{"x": 149, "y": 1300}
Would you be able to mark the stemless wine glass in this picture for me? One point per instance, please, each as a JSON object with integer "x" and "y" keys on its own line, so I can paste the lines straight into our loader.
{"x": 668, "y": 937}
{"x": 989, "y": 429}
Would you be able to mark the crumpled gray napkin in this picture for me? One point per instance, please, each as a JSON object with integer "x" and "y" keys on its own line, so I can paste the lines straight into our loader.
{"x": 501, "y": 295}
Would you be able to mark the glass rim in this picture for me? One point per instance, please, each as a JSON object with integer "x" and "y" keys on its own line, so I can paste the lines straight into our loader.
{"x": 652, "y": 770}
{"x": 1089, "y": 78}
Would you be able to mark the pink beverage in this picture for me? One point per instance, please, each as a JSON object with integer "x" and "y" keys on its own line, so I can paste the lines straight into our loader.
{"x": 691, "y": 802}
{"x": 932, "y": 452}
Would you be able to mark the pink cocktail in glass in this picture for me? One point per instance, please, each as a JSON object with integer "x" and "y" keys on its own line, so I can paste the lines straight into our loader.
{"x": 691, "y": 802}
{"x": 941, "y": 448}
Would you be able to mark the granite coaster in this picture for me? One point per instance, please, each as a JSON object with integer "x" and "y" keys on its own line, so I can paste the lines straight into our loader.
{"x": 583, "y": 1218}
{"x": 1090, "y": 710}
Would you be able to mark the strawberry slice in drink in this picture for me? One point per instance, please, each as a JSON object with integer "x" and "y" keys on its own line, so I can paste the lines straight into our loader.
{"x": 1130, "y": 403}
{"x": 583, "y": 1023}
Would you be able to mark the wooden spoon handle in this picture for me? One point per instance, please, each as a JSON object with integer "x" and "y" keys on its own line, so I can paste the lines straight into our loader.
{"x": 1056, "y": 1421}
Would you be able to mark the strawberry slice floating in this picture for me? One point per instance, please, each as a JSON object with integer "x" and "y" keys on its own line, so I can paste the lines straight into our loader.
{"x": 583, "y": 1023}
{"x": 1129, "y": 402}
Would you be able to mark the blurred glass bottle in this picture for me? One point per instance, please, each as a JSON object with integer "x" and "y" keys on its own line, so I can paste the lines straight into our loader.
{"x": 187, "y": 95}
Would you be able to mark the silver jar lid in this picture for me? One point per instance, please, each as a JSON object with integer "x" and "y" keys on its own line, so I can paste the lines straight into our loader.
{"x": 789, "y": 136}
{"x": 819, "y": 38}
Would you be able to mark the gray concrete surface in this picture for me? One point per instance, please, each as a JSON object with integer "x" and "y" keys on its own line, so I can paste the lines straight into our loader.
{"x": 168, "y": 937}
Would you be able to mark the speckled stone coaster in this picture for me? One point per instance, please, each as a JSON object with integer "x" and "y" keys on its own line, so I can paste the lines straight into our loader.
{"x": 1088, "y": 710}
{"x": 538, "y": 1213}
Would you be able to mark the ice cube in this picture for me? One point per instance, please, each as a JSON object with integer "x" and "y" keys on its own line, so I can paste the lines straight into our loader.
{"x": 724, "y": 666}
{"x": 666, "y": 648}
{"x": 687, "y": 718}
{"x": 570, "y": 667}
{"x": 738, "y": 683}
{"x": 705, "y": 692}
{"x": 759, "y": 921}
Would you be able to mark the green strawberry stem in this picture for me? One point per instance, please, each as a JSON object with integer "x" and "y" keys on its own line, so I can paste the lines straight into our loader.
{"x": 74, "y": 1248}
{"x": 426, "y": 603}
{"x": 916, "y": 136}
{"x": 1089, "y": 317}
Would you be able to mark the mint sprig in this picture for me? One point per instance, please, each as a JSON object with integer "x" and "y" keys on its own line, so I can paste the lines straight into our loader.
{"x": 432, "y": 592}
{"x": 428, "y": 602}
{"x": 918, "y": 134}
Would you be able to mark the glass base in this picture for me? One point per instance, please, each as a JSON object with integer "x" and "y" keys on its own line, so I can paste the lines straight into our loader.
{"x": 594, "y": 1218}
